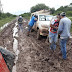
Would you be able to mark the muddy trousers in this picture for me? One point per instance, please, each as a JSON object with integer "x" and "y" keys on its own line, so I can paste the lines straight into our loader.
{"x": 63, "y": 47}
{"x": 29, "y": 29}
{"x": 53, "y": 39}
{"x": 21, "y": 27}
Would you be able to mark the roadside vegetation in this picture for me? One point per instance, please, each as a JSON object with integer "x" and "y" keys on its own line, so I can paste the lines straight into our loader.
{"x": 5, "y": 18}
{"x": 67, "y": 9}
{"x": 71, "y": 23}
{"x": 26, "y": 15}
{"x": 38, "y": 7}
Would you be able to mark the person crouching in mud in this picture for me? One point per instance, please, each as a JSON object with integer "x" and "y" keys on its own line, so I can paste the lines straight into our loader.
{"x": 31, "y": 23}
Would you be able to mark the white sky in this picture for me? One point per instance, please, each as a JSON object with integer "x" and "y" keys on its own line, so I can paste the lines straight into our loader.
{"x": 21, "y": 6}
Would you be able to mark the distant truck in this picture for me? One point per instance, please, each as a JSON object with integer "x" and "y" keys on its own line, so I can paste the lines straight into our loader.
{"x": 43, "y": 24}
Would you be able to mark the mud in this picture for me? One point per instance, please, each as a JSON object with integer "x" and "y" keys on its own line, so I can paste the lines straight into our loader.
{"x": 6, "y": 38}
{"x": 35, "y": 55}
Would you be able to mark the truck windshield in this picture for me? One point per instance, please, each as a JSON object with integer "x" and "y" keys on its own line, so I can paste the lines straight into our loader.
{"x": 42, "y": 17}
{"x": 48, "y": 17}
{"x": 45, "y": 18}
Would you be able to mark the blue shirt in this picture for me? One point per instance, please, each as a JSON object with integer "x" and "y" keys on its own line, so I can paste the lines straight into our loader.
{"x": 32, "y": 21}
{"x": 64, "y": 27}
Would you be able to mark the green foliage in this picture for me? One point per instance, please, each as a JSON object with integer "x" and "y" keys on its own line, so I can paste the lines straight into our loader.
{"x": 67, "y": 9}
{"x": 6, "y": 20}
{"x": 69, "y": 13}
{"x": 38, "y": 7}
{"x": 70, "y": 3}
{"x": 60, "y": 9}
{"x": 8, "y": 14}
{"x": 64, "y": 9}
{"x": 14, "y": 16}
{"x": 5, "y": 15}
{"x": 71, "y": 27}
{"x": 56, "y": 12}
{"x": 52, "y": 10}
{"x": 26, "y": 15}
{"x": 71, "y": 23}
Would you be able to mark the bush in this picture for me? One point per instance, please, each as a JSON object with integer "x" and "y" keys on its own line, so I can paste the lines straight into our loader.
{"x": 57, "y": 12}
{"x": 71, "y": 23}
{"x": 14, "y": 16}
{"x": 69, "y": 13}
{"x": 5, "y": 15}
{"x": 26, "y": 15}
{"x": 38, "y": 7}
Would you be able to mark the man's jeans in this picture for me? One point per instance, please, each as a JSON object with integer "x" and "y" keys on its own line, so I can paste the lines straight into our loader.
{"x": 63, "y": 47}
{"x": 21, "y": 27}
{"x": 29, "y": 28}
{"x": 53, "y": 39}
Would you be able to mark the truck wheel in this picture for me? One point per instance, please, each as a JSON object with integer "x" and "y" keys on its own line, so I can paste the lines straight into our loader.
{"x": 32, "y": 30}
{"x": 38, "y": 35}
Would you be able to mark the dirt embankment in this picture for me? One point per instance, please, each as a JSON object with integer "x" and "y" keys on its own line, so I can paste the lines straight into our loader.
{"x": 6, "y": 36}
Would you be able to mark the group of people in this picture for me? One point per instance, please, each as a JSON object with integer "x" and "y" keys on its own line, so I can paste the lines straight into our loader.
{"x": 60, "y": 27}
{"x": 34, "y": 18}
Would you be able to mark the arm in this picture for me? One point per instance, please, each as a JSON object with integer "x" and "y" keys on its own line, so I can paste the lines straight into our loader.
{"x": 35, "y": 19}
{"x": 60, "y": 28}
{"x": 53, "y": 26}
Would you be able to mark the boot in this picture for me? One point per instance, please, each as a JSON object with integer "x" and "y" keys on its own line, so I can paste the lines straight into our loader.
{"x": 28, "y": 33}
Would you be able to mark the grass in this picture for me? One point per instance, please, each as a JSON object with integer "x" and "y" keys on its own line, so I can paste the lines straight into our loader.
{"x": 6, "y": 20}
{"x": 28, "y": 17}
{"x": 71, "y": 24}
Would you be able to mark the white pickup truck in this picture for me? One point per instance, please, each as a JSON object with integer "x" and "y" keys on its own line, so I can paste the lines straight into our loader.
{"x": 42, "y": 25}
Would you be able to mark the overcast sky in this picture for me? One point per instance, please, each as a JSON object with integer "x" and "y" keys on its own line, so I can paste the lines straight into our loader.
{"x": 21, "y": 6}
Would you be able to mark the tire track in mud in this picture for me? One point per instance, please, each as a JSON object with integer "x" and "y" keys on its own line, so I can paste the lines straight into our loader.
{"x": 6, "y": 38}
{"x": 15, "y": 45}
{"x": 54, "y": 58}
{"x": 35, "y": 55}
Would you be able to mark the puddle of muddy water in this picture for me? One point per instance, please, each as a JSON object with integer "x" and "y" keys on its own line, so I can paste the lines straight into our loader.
{"x": 15, "y": 45}
{"x": 26, "y": 27}
{"x": 70, "y": 36}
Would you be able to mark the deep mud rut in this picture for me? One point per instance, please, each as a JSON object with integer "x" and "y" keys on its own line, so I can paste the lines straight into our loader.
{"x": 6, "y": 37}
{"x": 35, "y": 55}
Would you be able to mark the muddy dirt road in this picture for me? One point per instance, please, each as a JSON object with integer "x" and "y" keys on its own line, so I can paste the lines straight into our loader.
{"x": 35, "y": 55}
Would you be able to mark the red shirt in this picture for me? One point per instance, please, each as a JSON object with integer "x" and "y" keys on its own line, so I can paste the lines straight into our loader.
{"x": 56, "y": 24}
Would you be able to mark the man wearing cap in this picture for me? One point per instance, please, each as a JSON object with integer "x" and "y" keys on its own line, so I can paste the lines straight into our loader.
{"x": 64, "y": 32}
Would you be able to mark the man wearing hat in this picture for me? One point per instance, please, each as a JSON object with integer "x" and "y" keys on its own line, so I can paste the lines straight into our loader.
{"x": 64, "y": 32}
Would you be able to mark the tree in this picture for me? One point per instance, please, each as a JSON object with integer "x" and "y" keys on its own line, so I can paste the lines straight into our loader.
{"x": 70, "y": 3}
{"x": 60, "y": 9}
{"x": 26, "y": 15}
{"x": 69, "y": 13}
{"x": 39, "y": 7}
{"x": 8, "y": 14}
{"x": 52, "y": 10}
